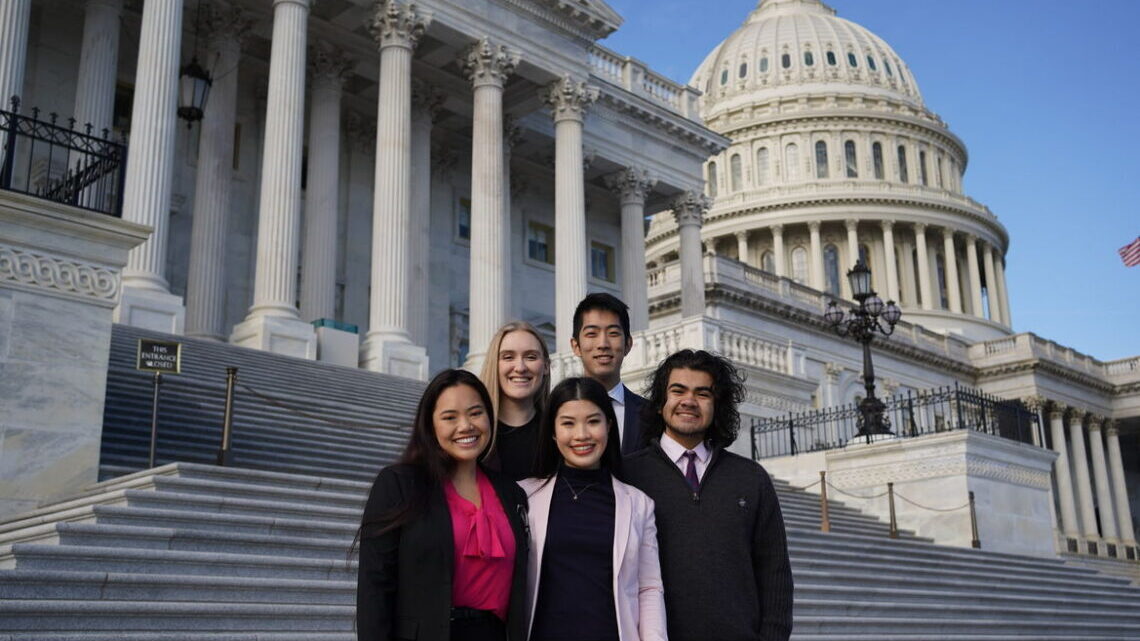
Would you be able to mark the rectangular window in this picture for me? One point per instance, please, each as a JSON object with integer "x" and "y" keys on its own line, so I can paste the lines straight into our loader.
{"x": 877, "y": 153}
{"x": 540, "y": 242}
{"x": 903, "y": 173}
{"x": 602, "y": 261}
{"x": 851, "y": 159}
{"x": 463, "y": 219}
{"x": 922, "y": 168}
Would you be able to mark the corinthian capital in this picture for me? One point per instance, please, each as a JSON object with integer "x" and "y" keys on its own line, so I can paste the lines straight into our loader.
{"x": 327, "y": 62}
{"x": 631, "y": 184}
{"x": 689, "y": 208}
{"x": 1034, "y": 403}
{"x": 486, "y": 63}
{"x": 427, "y": 97}
{"x": 395, "y": 24}
{"x": 568, "y": 98}
{"x": 226, "y": 24}
{"x": 1057, "y": 410}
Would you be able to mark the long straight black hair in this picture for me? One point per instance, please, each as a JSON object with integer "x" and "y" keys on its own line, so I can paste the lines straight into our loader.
{"x": 577, "y": 389}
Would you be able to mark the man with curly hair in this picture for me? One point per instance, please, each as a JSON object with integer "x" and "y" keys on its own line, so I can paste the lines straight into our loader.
{"x": 724, "y": 556}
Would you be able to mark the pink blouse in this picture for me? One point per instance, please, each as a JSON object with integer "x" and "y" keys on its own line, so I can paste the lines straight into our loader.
{"x": 484, "y": 550}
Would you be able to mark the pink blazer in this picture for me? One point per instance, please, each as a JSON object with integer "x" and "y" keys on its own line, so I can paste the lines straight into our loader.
{"x": 639, "y": 597}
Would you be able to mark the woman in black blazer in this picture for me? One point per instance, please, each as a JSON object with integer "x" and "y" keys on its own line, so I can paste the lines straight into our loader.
{"x": 438, "y": 499}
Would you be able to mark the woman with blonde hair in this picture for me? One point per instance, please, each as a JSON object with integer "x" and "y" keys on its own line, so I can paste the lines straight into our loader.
{"x": 517, "y": 375}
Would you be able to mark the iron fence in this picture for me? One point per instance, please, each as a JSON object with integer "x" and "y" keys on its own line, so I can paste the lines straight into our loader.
{"x": 49, "y": 160}
{"x": 911, "y": 414}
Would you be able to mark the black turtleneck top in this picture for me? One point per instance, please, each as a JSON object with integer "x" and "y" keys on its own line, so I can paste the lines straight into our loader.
{"x": 517, "y": 448}
{"x": 575, "y": 592}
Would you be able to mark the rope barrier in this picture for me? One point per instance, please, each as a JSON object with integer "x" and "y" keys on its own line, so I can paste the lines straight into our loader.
{"x": 855, "y": 496}
{"x": 806, "y": 487}
{"x": 933, "y": 509}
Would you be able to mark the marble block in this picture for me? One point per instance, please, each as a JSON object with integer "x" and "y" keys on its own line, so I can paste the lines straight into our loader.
{"x": 287, "y": 336}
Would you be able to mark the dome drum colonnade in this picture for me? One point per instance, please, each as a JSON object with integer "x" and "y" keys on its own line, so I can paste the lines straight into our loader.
{"x": 402, "y": 141}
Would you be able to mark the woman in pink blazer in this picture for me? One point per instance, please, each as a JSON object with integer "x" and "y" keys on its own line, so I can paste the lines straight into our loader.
{"x": 593, "y": 573}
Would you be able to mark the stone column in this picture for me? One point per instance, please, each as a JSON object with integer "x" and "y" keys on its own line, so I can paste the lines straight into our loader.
{"x": 1100, "y": 475}
{"x": 205, "y": 281}
{"x": 146, "y": 300}
{"x": 388, "y": 348}
{"x": 926, "y": 292}
{"x": 975, "y": 276}
{"x": 852, "y": 254}
{"x": 815, "y": 269}
{"x": 1081, "y": 471}
{"x": 992, "y": 289}
{"x": 689, "y": 209}
{"x": 778, "y": 250}
{"x": 632, "y": 187}
{"x": 14, "y": 16}
{"x": 327, "y": 69}
{"x": 427, "y": 101}
{"x": 1003, "y": 293}
{"x": 742, "y": 246}
{"x": 889, "y": 257}
{"x": 1119, "y": 487}
{"x": 488, "y": 65}
{"x": 569, "y": 99}
{"x": 1061, "y": 472}
{"x": 950, "y": 262}
{"x": 98, "y": 64}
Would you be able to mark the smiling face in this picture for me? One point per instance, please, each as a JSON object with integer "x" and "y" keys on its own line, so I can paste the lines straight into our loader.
{"x": 522, "y": 366}
{"x": 688, "y": 409}
{"x": 602, "y": 345}
{"x": 581, "y": 432}
{"x": 461, "y": 423}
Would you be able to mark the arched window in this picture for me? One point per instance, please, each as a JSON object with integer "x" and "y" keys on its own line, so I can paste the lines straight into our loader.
{"x": 809, "y": 59}
{"x": 852, "y": 60}
{"x": 831, "y": 268}
{"x": 922, "y": 168}
{"x": 851, "y": 159}
{"x": 904, "y": 174}
{"x": 940, "y": 263}
{"x": 887, "y": 66}
{"x": 831, "y": 58}
{"x": 941, "y": 176}
{"x": 871, "y": 63}
{"x": 877, "y": 158}
{"x": 820, "y": 159}
{"x": 712, "y": 179}
{"x": 743, "y": 71}
{"x": 764, "y": 64}
{"x": 723, "y": 77}
{"x": 799, "y": 265}
{"x": 768, "y": 262}
{"x": 736, "y": 171}
{"x": 762, "y": 167}
{"x": 785, "y": 60}
{"x": 791, "y": 162}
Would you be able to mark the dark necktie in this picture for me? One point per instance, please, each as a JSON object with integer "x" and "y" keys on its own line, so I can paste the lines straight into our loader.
{"x": 691, "y": 470}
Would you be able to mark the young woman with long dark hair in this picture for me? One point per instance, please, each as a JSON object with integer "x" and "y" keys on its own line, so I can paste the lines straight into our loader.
{"x": 443, "y": 545}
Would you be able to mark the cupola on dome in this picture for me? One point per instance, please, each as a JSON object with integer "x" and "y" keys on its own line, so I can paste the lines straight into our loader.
{"x": 800, "y": 47}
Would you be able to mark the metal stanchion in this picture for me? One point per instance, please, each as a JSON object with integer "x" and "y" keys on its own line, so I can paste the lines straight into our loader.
{"x": 824, "y": 517}
{"x": 228, "y": 417}
{"x": 894, "y": 532}
{"x": 154, "y": 419}
{"x": 975, "y": 542}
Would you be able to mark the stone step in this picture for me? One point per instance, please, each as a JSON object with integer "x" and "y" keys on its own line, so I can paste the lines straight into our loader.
{"x": 1083, "y": 628}
{"x": 86, "y": 616}
{"x": 153, "y": 635}
{"x": 950, "y": 636}
{"x": 933, "y": 559}
{"x": 857, "y": 580}
{"x": 1056, "y": 612}
{"x": 819, "y": 587}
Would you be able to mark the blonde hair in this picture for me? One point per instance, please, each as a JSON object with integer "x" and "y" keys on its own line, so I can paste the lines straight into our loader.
{"x": 490, "y": 372}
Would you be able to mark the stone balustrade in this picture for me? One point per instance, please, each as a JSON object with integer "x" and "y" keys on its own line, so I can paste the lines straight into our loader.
{"x": 637, "y": 78}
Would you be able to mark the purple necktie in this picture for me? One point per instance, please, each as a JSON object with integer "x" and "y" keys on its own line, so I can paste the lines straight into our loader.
{"x": 691, "y": 470}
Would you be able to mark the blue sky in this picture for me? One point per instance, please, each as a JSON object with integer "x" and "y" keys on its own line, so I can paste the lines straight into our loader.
{"x": 1046, "y": 96}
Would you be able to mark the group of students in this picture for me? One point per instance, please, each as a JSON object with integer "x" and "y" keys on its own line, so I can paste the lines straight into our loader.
{"x": 579, "y": 513}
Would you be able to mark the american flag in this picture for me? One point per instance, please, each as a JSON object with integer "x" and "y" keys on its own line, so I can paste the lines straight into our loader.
{"x": 1130, "y": 253}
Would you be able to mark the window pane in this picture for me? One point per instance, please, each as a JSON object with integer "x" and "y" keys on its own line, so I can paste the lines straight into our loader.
{"x": 831, "y": 58}
{"x": 852, "y": 60}
{"x": 922, "y": 168}
{"x": 821, "y": 159}
{"x": 724, "y": 77}
{"x": 463, "y": 219}
{"x": 831, "y": 268}
{"x": 877, "y": 153}
{"x": 735, "y": 166}
{"x": 871, "y": 63}
{"x": 743, "y": 69}
{"x": 764, "y": 65}
{"x": 785, "y": 61}
{"x": 809, "y": 59}
{"x": 887, "y": 66}
{"x": 904, "y": 174}
{"x": 762, "y": 167}
{"x": 799, "y": 265}
{"x": 712, "y": 180}
{"x": 852, "y": 160}
{"x": 791, "y": 162}
{"x": 540, "y": 243}
{"x": 602, "y": 261}
{"x": 768, "y": 262}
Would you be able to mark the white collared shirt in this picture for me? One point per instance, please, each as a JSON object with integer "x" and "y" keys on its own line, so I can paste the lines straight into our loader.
{"x": 676, "y": 453}
{"x": 617, "y": 395}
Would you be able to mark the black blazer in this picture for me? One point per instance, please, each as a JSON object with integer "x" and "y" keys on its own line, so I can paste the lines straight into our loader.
{"x": 404, "y": 583}
{"x": 631, "y": 440}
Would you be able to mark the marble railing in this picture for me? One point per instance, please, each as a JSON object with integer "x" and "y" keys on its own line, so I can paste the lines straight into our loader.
{"x": 1030, "y": 346}
{"x": 637, "y": 78}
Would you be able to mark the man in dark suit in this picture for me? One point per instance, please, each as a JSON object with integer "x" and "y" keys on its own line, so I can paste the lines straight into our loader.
{"x": 601, "y": 339}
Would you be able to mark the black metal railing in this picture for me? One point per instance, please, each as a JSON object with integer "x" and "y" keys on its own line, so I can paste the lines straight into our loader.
{"x": 58, "y": 163}
{"x": 911, "y": 414}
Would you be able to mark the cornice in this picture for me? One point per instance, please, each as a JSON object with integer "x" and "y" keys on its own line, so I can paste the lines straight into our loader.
{"x": 674, "y": 124}
{"x": 576, "y": 18}
{"x": 1042, "y": 366}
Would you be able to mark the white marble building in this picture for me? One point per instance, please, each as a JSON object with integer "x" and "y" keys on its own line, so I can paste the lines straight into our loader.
{"x": 427, "y": 172}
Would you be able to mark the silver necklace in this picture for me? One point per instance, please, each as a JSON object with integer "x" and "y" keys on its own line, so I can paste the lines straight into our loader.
{"x": 575, "y": 494}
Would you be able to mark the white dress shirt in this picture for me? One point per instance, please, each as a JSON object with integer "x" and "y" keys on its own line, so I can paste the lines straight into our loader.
{"x": 617, "y": 396}
{"x": 676, "y": 453}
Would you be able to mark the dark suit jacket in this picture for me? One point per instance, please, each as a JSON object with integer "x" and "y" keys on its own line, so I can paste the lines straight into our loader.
{"x": 631, "y": 440}
{"x": 404, "y": 584}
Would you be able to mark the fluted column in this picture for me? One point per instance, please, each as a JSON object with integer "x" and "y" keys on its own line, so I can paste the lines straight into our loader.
{"x": 146, "y": 300}
{"x": 778, "y": 250}
{"x": 815, "y": 271}
{"x": 925, "y": 291}
{"x": 742, "y": 246}
{"x": 1081, "y": 471}
{"x": 1003, "y": 293}
{"x": 889, "y": 257}
{"x": 1100, "y": 476}
{"x": 632, "y": 186}
{"x": 205, "y": 282}
{"x": 1061, "y": 469}
{"x": 975, "y": 276}
{"x": 1119, "y": 487}
{"x": 327, "y": 67}
{"x": 397, "y": 29}
{"x": 689, "y": 209}
{"x": 488, "y": 65}
{"x": 14, "y": 16}
{"x": 950, "y": 262}
{"x": 98, "y": 64}
{"x": 568, "y": 100}
{"x": 991, "y": 284}
{"x": 427, "y": 101}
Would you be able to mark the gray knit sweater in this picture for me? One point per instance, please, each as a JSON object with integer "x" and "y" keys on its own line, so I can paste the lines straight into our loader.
{"x": 724, "y": 556}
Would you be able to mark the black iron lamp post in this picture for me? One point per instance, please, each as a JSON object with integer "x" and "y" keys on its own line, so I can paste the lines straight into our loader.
{"x": 870, "y": 317}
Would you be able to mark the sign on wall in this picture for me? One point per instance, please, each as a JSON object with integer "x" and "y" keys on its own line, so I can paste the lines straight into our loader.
{"x": 164, "y": 357}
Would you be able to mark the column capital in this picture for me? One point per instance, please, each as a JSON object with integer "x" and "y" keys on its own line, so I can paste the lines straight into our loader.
{"x": 1057, "y": 410}
{"x": 328, "y": 62}
{"x": 631, "y": 184}
{"x": 971, "y": 239}
{"x": 851, "y": 224}
{"x": 1110, "y": 428}
{"x": 689, "y": 208}
{"x": 1035, "y": 402}
{"x": 427, "y": 97}
{"x": 512, "y": 132}
{"x": 395, "y": 24}
{"x": 225, "y": 24}
{"x": 919, "y": 228}
{"x": 569, "y": 98}
{"x": 887, "y": 224}
{"x": 1077, "y": 414}
{"x": 486, "y": 63}
{"x": 948, "y": 232}
{"x": 813, "y": 226}
{"x": 1094, "y": 421}
{"x": 778, "y": 228}
{"x": 741, "y": 235}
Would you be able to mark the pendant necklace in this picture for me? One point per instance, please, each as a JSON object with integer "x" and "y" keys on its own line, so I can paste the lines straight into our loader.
{"x": 575, "y": 494}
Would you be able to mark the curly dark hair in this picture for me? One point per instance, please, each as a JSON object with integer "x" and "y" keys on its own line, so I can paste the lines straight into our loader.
{"x": 728, "y": 393}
